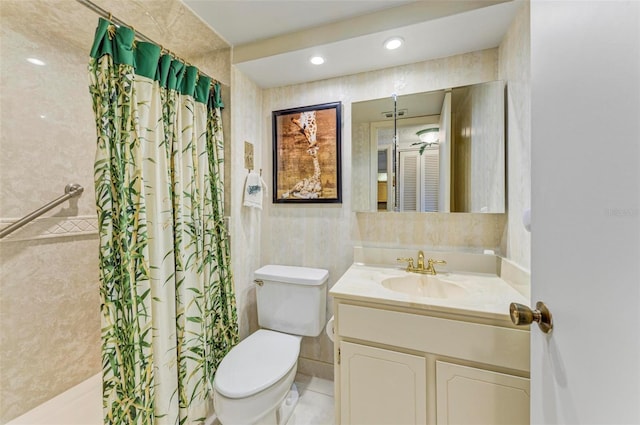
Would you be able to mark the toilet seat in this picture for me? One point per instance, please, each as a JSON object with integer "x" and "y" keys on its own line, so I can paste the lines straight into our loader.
{"x": 256, "y": 363}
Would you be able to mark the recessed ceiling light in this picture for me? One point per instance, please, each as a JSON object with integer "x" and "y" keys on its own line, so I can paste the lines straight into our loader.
{"x": 393, "y": 43}
{"x": 317, "y": 60}
{"x": 35, "y": 61}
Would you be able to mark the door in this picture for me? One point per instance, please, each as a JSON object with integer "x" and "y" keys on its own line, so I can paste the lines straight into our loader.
{"x": 409, "y": 180}
{"x": 487, "y": 397}
{"x": 381, "y": 387}
{"x": 418, "y": 180}
{"x": 585, "y": 109}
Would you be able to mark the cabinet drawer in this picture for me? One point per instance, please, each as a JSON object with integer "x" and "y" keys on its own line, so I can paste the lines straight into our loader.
{"x": 493, "y": 345}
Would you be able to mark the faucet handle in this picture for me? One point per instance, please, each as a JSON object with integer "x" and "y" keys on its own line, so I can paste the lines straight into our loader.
{"x": 431, "y": 262}
{"x": 407, "y": 260}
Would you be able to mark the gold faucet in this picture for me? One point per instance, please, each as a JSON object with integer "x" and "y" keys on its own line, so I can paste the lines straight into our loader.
{"x": 420, "y": 260}
{"x": 420, "y": 267}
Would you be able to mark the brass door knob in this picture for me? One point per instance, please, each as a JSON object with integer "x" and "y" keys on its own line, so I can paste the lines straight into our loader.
{"x": 521, "y": 315}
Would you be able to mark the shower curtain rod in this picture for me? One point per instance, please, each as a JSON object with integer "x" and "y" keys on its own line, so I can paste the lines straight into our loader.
{"x": 108, "y": 15}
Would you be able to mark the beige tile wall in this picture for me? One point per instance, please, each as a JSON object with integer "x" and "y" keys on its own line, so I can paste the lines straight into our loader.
{"x": 514, "y": 59}
{"x": 472, "y": 232}
{"x": 49, "y": 305}
{"x": 245, "y": 222}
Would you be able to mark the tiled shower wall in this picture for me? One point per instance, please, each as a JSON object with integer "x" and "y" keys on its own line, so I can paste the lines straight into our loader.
{"x": 49, "y": 315}
{"x": 49, "y": 304}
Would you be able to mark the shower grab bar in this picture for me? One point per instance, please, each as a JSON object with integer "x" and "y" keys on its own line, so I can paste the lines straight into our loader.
{"x": 70, "y": 191}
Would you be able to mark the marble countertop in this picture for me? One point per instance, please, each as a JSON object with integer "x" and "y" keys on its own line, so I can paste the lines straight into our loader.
{"x": 486, "y": 295}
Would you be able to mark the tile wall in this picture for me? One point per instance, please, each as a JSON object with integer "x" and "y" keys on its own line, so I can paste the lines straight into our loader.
{"x": 514, "y": 60}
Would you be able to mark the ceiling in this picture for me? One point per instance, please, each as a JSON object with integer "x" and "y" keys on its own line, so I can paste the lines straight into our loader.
{"x": 274, "y": 40}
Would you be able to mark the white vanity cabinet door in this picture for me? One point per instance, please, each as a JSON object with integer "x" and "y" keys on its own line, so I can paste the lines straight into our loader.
{"x": 471, "y": 396}
{"x": 381, "y": 386}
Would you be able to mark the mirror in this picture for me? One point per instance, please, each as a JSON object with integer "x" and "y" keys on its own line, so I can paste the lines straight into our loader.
{"x": 448, "y": 153}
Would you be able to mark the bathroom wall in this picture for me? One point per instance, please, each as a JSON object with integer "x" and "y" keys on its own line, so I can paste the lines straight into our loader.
{"x": 324, "y": 235}
{"x": 245, "y": 222}
{"x": 514, "y": 67}
{"x": 49, "y": 304}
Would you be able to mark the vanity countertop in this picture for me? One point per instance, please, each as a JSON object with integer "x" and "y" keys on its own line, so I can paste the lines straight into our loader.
{"x": 487, "y": 295}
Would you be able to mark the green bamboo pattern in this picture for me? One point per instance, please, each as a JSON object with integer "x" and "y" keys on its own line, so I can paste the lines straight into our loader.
{"x": 167, "y": 302}
{"x": 222, "y": 312}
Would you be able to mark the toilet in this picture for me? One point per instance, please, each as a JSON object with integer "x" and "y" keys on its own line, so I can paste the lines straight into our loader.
{"x": 253, "y": 384}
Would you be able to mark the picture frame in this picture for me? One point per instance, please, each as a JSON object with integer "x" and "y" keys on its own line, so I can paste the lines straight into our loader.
{"x": 307, "y": 156}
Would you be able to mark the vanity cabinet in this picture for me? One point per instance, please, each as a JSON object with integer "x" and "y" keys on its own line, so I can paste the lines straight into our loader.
{"x": 398, "y": 365}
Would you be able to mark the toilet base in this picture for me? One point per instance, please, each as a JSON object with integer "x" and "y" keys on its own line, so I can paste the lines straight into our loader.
{"x": 288, "y": 405}
{"x": 279, "y": 416}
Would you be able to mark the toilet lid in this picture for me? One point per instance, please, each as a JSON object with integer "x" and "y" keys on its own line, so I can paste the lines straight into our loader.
{"x": 292, "y": 274}
{"x": 258, "y": 362}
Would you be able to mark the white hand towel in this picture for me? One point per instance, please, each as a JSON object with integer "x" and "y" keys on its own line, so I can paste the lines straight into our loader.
{"x": 254, "y": 190}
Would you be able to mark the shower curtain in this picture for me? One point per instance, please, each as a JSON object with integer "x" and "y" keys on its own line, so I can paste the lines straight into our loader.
{"x": 167, "y": 303}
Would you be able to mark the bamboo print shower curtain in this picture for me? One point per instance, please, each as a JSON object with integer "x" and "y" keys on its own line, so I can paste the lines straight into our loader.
{"x": 168, "y": 309}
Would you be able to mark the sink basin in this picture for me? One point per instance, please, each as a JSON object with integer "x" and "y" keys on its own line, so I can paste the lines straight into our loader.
{"x": 424, "y": 286}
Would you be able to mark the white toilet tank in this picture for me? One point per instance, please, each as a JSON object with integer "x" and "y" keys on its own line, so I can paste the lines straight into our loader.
{"x": 291, "y": 299}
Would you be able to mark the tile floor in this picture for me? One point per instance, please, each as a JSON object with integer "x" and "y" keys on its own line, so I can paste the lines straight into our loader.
{"x": 315, "y": 406}
{"x": 82, "y": 405}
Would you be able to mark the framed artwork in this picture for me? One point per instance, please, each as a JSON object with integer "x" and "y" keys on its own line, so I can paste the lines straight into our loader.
{"x": 307, "y": 154}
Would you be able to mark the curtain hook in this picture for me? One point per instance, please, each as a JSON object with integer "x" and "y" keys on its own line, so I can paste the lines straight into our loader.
{"x": 110, "y": 17}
